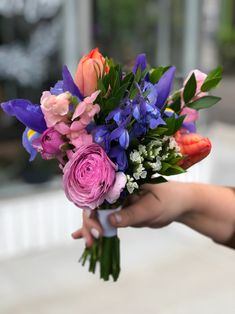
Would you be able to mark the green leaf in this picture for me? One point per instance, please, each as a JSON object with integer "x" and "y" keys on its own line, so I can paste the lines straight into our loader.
{"x": 204, "y": 102}
{"x": 155, "y": 75}
{"x": 138, "y": 74}
{"x": 176, "y": 104}
{"x": 157, "y": 180}
{"x": 190, "y": 88}
{"x": 212, "y": 80}
{"x": 170, "y": 123}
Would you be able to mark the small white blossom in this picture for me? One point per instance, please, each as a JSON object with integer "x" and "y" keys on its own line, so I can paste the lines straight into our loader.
{"x": 131, "y": 184}
{"x": 140, "y": 172}
{"x": 142, "y": 150}
{"x": 156, "y": 166}
{"x": 136, "y": 157}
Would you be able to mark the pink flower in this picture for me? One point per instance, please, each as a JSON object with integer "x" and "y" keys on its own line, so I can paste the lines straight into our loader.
{"x": 200, "y": 78}
{"x": 55, "y": 108}
{"x": 114, "y": 193}
{"x": 76, "y": 135}
{"x": 88, "y": 176}
{"x": 89, "y": 69}
{"x": 86, "y": 111}
{"x": 49, "y": 144}
{"x": 192, "y": 115}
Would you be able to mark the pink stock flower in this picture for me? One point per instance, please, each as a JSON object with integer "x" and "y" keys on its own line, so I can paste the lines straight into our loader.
{"x": 55, "y": 108}
{"x": 200, "y": 78}
{"x": 89, "y": 69}
{"x": 49, "y": 143}
{"x": 77, "y": 136}
{"x": 86, "y": 111}
{"x": 88, "y": 177}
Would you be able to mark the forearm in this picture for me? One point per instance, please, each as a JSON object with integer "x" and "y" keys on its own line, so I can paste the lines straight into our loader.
{"x": 212, "y": 212}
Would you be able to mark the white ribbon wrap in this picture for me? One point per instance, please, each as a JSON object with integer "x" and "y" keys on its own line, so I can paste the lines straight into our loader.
{"x": 103, "y": 216}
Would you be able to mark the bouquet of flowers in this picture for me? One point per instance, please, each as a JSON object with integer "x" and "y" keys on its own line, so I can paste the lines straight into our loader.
{"x": 113, "y": 131}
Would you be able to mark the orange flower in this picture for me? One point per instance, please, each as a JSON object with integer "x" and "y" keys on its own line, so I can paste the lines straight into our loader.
{"x": 89, "y": 69}
{"x": 193, "y": 147}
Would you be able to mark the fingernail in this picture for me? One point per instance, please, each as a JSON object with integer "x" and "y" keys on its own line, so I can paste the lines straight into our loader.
{"x": 95, "y": 233}
{"x": 86, "y": 241}
{"x": 118, "y": 218}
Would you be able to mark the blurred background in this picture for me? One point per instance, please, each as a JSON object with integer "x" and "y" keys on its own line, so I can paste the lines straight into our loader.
{"x": 172, "y": 270}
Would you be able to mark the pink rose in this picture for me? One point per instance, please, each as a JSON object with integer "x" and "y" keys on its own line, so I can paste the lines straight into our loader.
{"x": 49, "y": 144}
{"x": 200, "y": 78}
{"x": 89, "y": 69}
{"x": 55, "y": 108}
{"x": 88, "y": 176}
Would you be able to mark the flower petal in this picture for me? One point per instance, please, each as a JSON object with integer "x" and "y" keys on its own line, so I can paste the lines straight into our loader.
{"x": 27, "y": 113}
{"x": 164, "y": 86}
{"x": 69, "y": 85}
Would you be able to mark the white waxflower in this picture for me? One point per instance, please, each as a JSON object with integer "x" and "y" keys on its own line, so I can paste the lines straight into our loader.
{"x": 143, "y": 150}
{"x": 140, "y": 172}
{"x": 131, "y": 184}
{"x": 156, "y": 166}
{"x": 136, "y": 157}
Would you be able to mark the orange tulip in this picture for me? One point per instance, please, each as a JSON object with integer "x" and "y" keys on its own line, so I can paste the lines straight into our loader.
{"x": 193, "y": 147}
{"x": 89, "y": 69}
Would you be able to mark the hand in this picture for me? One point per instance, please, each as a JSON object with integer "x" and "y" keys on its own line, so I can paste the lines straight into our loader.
{"x": 156, "y": 206}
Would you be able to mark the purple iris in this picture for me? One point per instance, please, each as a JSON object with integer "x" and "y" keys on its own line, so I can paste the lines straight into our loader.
{"x": 140, "y": 62}
{"x": 164, "y": 86}
{"x": 29, "y": 114}
{"x": 58, "y": 88}
{"x": 27, "y": 143}
{"x": 69, "y": 85}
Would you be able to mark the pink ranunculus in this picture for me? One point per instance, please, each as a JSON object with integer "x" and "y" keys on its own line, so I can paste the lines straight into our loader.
{"x": 200, "y": 78}
{"x": 49, "y": 143}
{"x": 88, "y": 176}
{"x": 115, "y": 191}
{"x": 55, "y": 108}
{"x": 86, "y": 110}
{"x": 89, "y": 69}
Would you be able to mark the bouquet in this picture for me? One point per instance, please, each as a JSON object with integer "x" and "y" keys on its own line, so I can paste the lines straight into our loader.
{"x": 113, "y": 131}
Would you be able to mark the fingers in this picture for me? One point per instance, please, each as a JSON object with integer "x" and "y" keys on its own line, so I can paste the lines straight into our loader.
{"x": 137, "y": 214}
{"x": 91, "y": 229}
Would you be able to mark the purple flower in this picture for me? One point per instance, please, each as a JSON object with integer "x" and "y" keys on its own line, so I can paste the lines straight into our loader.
{"x": 164, "y": 86}
{"x": 69, "y": 85}
{"x": 101, "y": 136}
{"x": 57, "y": 89}
{"x": 122, "y": 135}
{"x": 27, "y": 113}
{"x": 140, "y": 62}
{"x": 118, "y": 155}
{"x": 27, "y": 138}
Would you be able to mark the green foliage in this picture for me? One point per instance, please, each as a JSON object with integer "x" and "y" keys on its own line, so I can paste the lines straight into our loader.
{"x": 204, "y": 102}
{"x": 190, "y": 88}
{"x": 212, "y": 80}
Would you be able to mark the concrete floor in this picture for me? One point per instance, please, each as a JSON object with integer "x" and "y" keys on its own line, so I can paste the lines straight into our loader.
{"x": 169, "y": 271}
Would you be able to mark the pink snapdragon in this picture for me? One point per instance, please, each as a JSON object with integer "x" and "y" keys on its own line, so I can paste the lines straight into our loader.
{"x": 86, "y": 110}
{"x": 55, "y": 108}
{"x": 90, "y": 177}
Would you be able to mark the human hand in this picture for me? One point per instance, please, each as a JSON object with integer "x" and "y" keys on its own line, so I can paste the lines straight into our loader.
{"x": 155, "y": 207}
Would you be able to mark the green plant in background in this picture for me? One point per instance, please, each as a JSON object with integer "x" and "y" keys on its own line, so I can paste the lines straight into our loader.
{"x": 227, "y": 33}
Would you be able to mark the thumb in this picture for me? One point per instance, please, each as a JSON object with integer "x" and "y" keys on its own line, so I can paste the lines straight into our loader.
{"x": 132, "y": 215}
